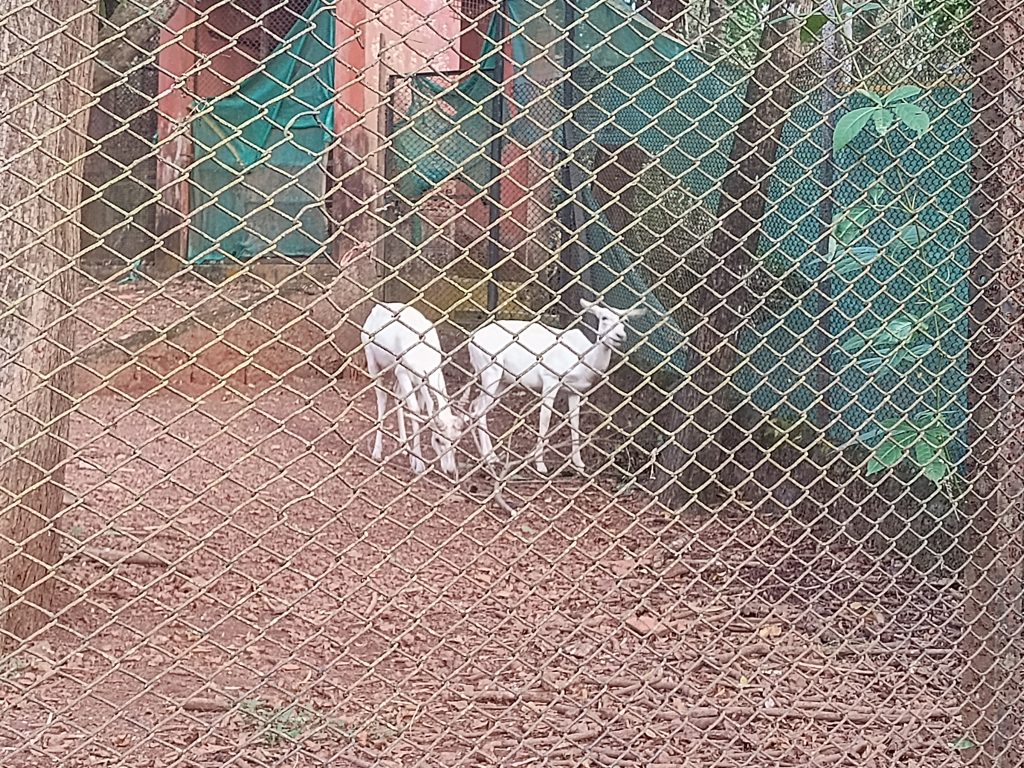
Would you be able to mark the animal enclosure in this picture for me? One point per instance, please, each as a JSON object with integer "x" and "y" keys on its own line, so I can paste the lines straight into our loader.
{"x": 774, "y": 256}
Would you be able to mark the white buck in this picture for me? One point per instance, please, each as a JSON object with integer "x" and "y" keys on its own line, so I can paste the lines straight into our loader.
{"x": 543, "y": 360}
{"x": 399, "y": 340}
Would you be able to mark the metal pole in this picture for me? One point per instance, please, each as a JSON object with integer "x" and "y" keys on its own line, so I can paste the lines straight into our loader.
{"x": 570, "y": 289}
{"x": 494, "y": 154}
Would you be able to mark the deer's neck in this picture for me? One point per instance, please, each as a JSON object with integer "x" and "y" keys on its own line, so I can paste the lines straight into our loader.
{"x": 438, "y": 390}
{"x": 597, "y": 357}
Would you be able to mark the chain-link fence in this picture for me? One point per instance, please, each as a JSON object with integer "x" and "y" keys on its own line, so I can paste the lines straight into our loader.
{"x": 317, "y": 451}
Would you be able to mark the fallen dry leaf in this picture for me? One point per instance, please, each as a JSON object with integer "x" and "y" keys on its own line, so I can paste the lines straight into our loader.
{"x": 647, "y": 625}
{"x": 622, "y": 567}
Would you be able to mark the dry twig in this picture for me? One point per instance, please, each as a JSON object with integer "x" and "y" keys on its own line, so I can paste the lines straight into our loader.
{"x": 113, "y": 557}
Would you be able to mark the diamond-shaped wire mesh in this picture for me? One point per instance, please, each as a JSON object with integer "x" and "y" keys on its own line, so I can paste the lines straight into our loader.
{"x": 527, "y": 382}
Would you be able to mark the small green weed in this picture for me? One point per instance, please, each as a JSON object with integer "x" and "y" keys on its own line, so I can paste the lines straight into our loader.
{"x": 290, "y": 724}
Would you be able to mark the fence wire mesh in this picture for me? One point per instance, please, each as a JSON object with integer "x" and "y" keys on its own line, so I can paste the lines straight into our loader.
{"x": 510, "y": 382}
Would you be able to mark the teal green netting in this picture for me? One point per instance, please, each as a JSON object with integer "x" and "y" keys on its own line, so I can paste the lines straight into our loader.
{"x": 628, "y": 82}
{"x": 258, "y": 185}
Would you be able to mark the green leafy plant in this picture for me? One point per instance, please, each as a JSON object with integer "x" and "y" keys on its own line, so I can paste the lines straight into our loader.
{"x": 942, "y": 27}
{"x": 838, "y": 13}
{"x": 886, "y": 113}
{"x": 902, "y": 343}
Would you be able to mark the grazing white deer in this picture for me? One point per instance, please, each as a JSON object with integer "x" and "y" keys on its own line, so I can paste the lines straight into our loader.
{"x": 399, "y": 340}
{"x": 543, "y": 360}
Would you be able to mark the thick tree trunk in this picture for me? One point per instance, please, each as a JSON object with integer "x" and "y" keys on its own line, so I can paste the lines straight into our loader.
{"x": 994, "y": 575}
{"x": 45, "y": 76}
{"x": 690, "y": 460}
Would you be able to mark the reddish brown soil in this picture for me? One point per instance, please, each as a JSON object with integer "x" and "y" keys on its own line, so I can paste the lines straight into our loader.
{"x": 324, "y": 611}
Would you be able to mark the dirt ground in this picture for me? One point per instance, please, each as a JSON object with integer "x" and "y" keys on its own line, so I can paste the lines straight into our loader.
{"x": 320, "y": 610}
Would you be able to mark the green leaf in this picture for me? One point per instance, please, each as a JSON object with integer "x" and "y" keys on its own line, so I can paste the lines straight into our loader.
{"x": 870, "y": 434}
{"x": 937, "y": 435}
{"x": 920, "y": 351}
{"x": 874, "y": 467}
{"x": 883, "y": 120}
{"x": 906, "y": 435}
{"x": 924, "y": 453}
{"x": 963, "y": 743}
{"x": 846, "y": 268}
{"x": 845, "y": 231}
{"x": 901, "y": 328}
{"x": 854, "y": 343}
{"x": 903, "y": 93}
{"x": 864, "y": 254}
{"x": 833, "y": 250}
{"x": 889, "y": 453}
{"x": 854, "y": 260}
{"x": 850, "y": 125}
{"x": 849, "y": 225}
{"x": 912, "y": 116}
{"x": 910, "y": 235}
{"x": 936, "y": 469}
{"x": 899, "y": 357}
{"x": 813, "y": 24}
{"x": 871, "y": 95}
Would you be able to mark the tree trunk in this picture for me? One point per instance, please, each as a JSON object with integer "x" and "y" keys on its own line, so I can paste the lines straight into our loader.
{"x": 689, "y": 461}
{"x": 125, "y": 36}
{"x": 994, "y": 574}
{"x": 44, "y": 95}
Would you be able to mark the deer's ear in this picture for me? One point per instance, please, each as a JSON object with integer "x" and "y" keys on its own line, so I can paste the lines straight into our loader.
{"x": 586, "y": 306}
{"x": 638, "y": 312}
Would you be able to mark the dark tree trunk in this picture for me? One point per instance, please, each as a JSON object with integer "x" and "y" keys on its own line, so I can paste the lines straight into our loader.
{"x": 44, "y": 96}
{"x": 690, "y": 460}
{"x": 994, "y": 574}
{"x": 126, "y": 35}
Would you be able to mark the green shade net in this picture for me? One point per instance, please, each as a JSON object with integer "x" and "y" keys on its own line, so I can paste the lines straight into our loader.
{"x": 258, "y": 186}
{"x": 590, "y": 78}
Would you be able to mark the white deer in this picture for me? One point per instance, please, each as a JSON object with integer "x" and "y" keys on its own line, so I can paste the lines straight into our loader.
{"x": 399, "y": 340}
{"x": 543, "y": 360}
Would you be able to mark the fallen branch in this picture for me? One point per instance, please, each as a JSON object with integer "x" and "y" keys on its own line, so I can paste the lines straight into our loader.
{"x": 722, "y": 661}
{"x": 573, "y": 735}
{"x": 550, "y": 700}
{"x": 878, "y": 717}
{"x": 548, "y": 741}
{"x": 631, "y": 685}
{"x": 204, "y": 704}
{"x": 496, "y": 696}
{"x": 114, "y": 557}
{"x": 612, "y": 757}
{"x": 855, "y": 751}
{"x": 893, "y": 650}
